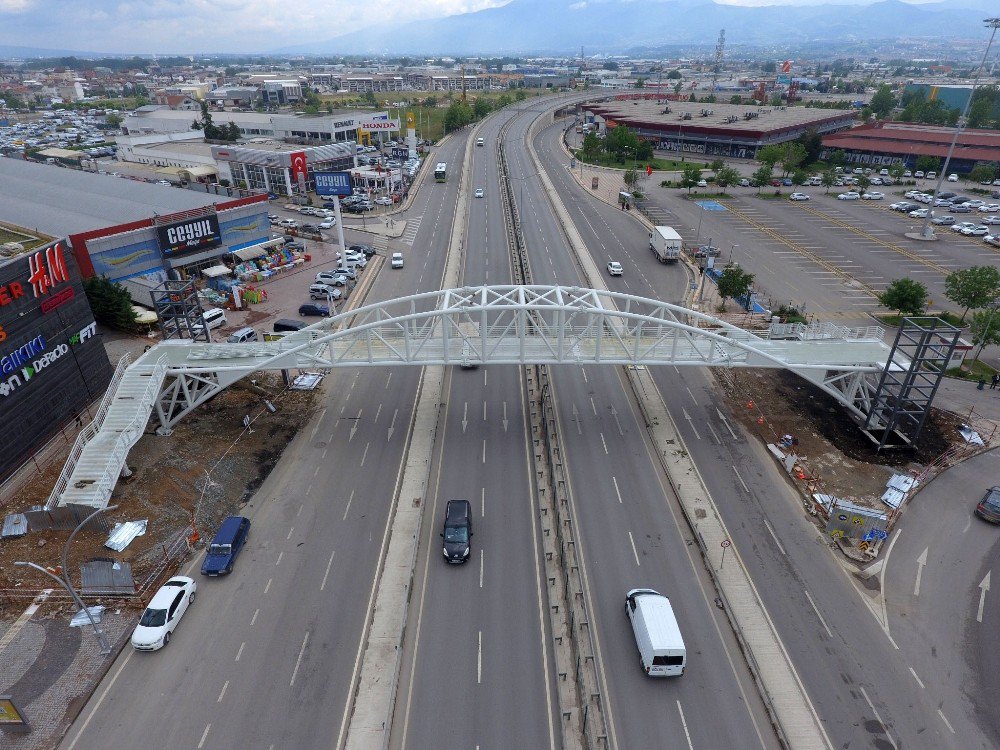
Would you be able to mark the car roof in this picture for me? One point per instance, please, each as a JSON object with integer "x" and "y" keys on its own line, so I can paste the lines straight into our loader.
{"x": 165, "y": 596}
{"x": 229, "y": 526}
{"x": 458, "y": 510}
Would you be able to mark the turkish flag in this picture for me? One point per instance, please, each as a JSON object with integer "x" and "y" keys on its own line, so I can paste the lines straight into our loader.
{"x": 299, "y": 165}
{"x": 649, "y": 170}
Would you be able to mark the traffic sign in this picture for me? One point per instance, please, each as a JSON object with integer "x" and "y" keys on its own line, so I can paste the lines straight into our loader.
{"x": 726, "y": 543}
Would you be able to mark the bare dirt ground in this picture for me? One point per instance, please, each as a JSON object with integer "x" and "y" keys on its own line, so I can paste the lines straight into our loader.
{"x": 834, "y": 448}
{"x": 169, "y": 481}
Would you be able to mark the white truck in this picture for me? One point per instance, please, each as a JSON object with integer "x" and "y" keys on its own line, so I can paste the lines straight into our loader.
{"x": 665, "y": 244}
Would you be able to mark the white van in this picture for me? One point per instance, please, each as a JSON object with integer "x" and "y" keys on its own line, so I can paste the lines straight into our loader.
{"x": 215, "y": 317}
{"x": 480, "y": 142}
{"x": 661, "y": 647}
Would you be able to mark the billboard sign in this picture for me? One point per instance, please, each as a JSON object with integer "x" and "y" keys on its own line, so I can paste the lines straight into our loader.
{"x": 378, "y": 125}
{"x": 783, "y": 79}
{"x": 333, "y": 183}
{"x": 189, "y": 235}
{"x": 400, "y": 153}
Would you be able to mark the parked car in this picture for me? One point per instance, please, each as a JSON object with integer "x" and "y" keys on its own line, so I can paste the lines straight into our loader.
{"x": 907, "y": 173}
{"x": 920, "y": 213}
{"x": 989, "y": 208}
{"x": 701, "y": 184}
{"x": 331, "y": 278}
{"x": 328, "y": 224}
{"x": 918, "y": 173}
{"x": 960, "y": 208}
{"x": 873, "y": 195}
{"x": 164, "y": 612}
{"x": 226, "y": 546}
{"x": 310, "y": 309}
{"x": 614, "y": 268}
{"x": 911, "y": 193}
{"x": 976, "y": 231}
{"x": 943, "y": 221}
{"x": 932, "y": 175}
{"x": 963, "y": 225}
{"x": 350, "y": 273}
{"x": 324, "y": 291}
{"x": 744, "y": 182}
{"x": 367, "y": 250}
{"x": 798, "y": 197}
{"x": 242, "y": 336}
{"x": 991, "y": 220}
{"x": 706, "y": 251}
{"x": 383, "y": 201}
{"x": 849, "y": 196}
{"x": 941, "y": 202}
{"x": 953, "y": 177}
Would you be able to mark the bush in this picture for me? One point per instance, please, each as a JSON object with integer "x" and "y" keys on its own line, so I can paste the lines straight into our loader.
{"x": 111, "y": 303}
{"x": 789, "y": 314}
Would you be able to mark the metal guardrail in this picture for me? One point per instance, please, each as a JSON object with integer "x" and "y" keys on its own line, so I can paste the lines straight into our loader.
{"x": 827, "y": 330}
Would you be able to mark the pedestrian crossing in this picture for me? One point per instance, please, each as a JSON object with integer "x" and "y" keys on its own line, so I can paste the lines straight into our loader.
{"x": 410, "y": 233}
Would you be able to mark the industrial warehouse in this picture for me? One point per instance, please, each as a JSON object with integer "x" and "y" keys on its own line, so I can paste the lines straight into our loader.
{"x": 884, "y": 143}
{"x": 728, "y": 130}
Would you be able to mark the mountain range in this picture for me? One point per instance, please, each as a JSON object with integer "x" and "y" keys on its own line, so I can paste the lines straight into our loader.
{"x": 613, "y": 26}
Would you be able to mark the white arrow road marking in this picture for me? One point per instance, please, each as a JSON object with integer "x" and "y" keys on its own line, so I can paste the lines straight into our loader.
{"x": 984, "y": 586}
{"x": 921, "y": 562}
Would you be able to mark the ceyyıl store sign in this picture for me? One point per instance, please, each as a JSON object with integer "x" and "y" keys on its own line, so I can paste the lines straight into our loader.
{"x": 18, "y": 366}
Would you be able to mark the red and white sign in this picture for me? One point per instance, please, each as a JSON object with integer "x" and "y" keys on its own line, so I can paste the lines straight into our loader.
{"x": 379, "y": 125}
{"x": 47, "y": 269}
{"x": 299, "y": 168}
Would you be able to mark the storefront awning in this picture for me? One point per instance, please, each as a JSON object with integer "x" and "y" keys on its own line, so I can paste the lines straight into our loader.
{"x": 215, "y": 271}
{"x": 204, "y": 171}
{"x": 255, "y": 251}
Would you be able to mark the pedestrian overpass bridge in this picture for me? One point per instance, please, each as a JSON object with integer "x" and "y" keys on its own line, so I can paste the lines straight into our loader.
{"x": 476, "y": 325}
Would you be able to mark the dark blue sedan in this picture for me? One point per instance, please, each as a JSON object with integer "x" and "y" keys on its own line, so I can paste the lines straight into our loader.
{"x": 314, "y": 310}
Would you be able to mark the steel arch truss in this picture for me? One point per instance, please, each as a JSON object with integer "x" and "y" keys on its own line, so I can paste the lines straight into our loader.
{"x": 519, "y": 324}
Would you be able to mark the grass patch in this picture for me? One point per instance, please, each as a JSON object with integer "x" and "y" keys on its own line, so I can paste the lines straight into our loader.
{"x": 972, "y": 370}
{"x": 25, "y": 240}
{"x": 773, "y": 196}
{"x": 895, "y": 319}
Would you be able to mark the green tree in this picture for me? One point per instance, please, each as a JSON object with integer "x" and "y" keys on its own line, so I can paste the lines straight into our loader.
{"x": 769, "y": 67}
{"x": 794, "y": 154}
{"x": 882, "y": 102}
{"x": 520, "y": 95}
{"x": 907, "y": 296}
{"x": 431, "y": 101}
{"x": 726, "y": 176}
{"x": 973, "y": 287}
{"x": 369, "y": 99}
{"x": 630, "y": 178}
{"x": 640, "y": 83}
{"x": 770, "y": 155}
{"x": 762, "y": 176}
{"x": 837, "y": 158}
{"x": 592, "y": 147}
{"x": 481, "y": 108}
{"x": 111, "y": 303}
{"x": 736, "y": 99}
{"x": 864, "y": 182}
{"x": 690, "y": 176}
{"x": 896, "y": 171}
{"x": 812, "y": 142}
{"x": 983, "y": 173}
{"x": 984, "y": 104}
{"x": 114, "y": 119}
{"x": 716, "y": 165}
{"x": 733, "y": 283}
{"x": 644, "y": 150}
{"x": 829, "y": 178}
{"x": 674, "y": 75}
{"x": 621, "y": 142}
{"x": 928, "y": 163}
{"x": 799, "y": 177}
{"x": 459, "y": 115}
{"x": 984, "y": 327}
{"x": 776, "y": 100}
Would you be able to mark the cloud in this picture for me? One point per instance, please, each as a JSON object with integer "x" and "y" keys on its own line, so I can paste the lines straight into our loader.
{"x": 187, "y": 26}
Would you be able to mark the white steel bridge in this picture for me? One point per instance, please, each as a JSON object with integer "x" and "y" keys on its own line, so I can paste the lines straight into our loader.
{"x": 478, "y": 325}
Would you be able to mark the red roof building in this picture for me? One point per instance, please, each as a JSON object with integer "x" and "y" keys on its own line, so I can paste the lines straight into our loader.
{"x": 889, "y": 142}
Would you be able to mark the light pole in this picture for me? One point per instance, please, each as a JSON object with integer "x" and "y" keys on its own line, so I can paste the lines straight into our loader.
{"x": 991, "y": 23}
{"x": 731, "y": 251}
{"x": 66, "y": 583}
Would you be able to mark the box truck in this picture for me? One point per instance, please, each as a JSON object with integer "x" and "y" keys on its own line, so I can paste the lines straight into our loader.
{"x": 665, "y": 244}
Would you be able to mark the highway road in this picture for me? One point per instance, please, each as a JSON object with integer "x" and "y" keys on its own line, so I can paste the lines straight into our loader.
{"x": 478, "y": 666}
{"x": 940, "y": 604}
{"x": 858, "y": 682}
{"x": 628, "y": 526}
{"x": 267, "y": 657}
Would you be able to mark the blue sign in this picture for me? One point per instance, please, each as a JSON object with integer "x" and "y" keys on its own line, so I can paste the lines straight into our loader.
{"x": 874, "y": 534}
{"x": 333, "y": 183}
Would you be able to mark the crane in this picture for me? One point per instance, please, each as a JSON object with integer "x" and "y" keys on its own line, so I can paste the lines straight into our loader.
{"x": 720, "y": 48}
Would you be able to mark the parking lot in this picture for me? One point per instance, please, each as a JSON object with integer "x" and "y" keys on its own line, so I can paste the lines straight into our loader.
{"x": 828, "y": 257}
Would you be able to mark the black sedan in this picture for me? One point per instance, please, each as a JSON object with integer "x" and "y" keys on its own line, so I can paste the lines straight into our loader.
{"x": 314, "y": 310}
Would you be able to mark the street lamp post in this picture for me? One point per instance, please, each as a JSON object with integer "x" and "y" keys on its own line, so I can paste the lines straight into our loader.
{"x": 731, "y": 251}
{"x": 991, "y": 23}
{"x": 65, "y": 582}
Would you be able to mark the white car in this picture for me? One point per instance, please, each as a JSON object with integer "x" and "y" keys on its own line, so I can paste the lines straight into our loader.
{"x": 991, "y": 239}
{"x": 989, "y": 208}
{"x": 991, "y": 220}
{"x": 907, "y": 173}
{"x": 480, "y": 192}
{"x": 744, "y": 182}
{"x": 165, "y": 610}
{"x": 702, "y": 183}
{"x": 876, "y": 181}
{"x": 976, "y": 231}
{"x": 873, "y": 196}
{"x": 932, "y": 175}
{"x": 974, "y": 203}
{"x": 942, "y": 202}
{"x": 918, "y": 173}
{"x": 397, "y": 260}
{"x": 953, "y": 177}
{"x": 614, "y": 268}
{"x": 920, "y": 213}
{"x": 912, "y": 194}
{"x": 383, "y": 201}
{"x": 849, "y": 196}
{"x": 924, "y": 198}
{"x": 963, "y": 226}
{"x": 328, "y": 224}
{"x": 331, "y": 278}
{"x": 798, "y": 197}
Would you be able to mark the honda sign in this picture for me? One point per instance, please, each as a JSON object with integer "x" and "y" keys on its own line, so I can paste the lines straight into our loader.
{"x": 379, "y": 125}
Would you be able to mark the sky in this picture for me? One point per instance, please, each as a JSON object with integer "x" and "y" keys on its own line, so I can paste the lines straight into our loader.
{"x": 252, "y": 26}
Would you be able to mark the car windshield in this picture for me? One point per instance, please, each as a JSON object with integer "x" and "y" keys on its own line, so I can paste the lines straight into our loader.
{"x": 220, "y": 549}
{"x": 153, "y": 618}
{"x": 455, "y": 534}
{"x": 992, "y": 500}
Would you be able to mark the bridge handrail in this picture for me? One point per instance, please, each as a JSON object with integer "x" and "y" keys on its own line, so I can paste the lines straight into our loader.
{"x": 89, "y": 431}
{"x": 827, "y": 330}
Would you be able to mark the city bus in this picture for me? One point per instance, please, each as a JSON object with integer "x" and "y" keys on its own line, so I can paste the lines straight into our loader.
{"x": 441, "y": 172}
